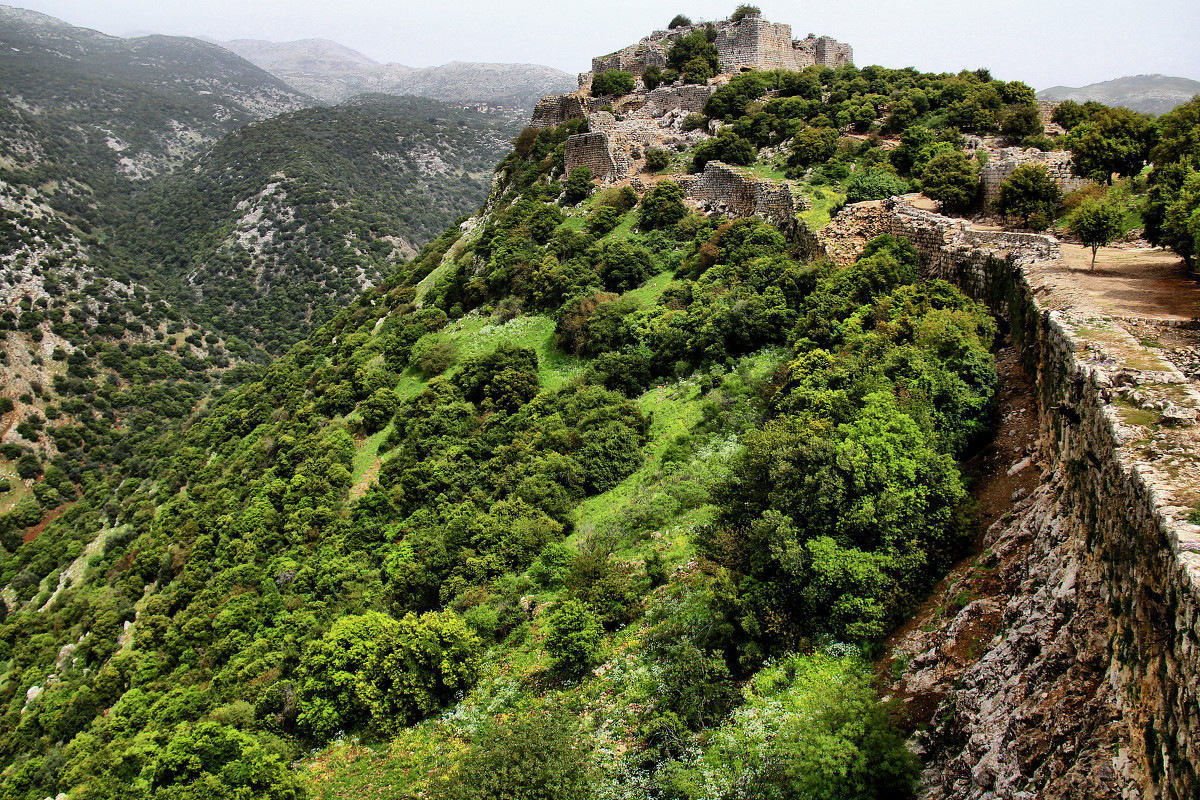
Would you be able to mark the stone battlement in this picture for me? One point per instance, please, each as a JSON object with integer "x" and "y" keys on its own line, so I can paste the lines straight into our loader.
{"x": 749, "y": 43}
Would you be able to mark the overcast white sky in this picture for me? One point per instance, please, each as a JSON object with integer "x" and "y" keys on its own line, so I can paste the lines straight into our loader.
{"x": 1042, "y": 42}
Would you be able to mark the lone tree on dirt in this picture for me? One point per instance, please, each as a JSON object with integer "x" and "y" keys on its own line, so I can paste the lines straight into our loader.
{"x": 1097, "y": 224}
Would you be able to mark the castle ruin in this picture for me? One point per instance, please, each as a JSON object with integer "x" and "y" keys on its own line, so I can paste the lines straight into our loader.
{"x": 749, "y": 43}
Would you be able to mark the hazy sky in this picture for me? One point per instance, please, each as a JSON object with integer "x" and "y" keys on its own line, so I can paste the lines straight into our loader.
{"x": 1042, "y": 42}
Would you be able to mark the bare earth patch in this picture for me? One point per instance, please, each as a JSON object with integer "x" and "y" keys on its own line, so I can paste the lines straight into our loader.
{"x": 1149, "y": 283}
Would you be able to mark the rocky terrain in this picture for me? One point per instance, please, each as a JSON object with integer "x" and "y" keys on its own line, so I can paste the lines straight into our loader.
{"x": 140, "y": 107}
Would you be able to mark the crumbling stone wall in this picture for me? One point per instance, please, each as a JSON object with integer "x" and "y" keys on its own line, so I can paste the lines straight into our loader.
{"x": 749, "y": 43}
{"x": 1092, "y": 686}
{"x": 555, "y": 109}
{"x": 1058, "y": 165}
{"x": 591, "y": 150}
{"x": 725, "y": 190}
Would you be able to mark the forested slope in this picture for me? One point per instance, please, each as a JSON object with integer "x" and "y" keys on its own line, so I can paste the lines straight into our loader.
{"x": 601, "y": 437}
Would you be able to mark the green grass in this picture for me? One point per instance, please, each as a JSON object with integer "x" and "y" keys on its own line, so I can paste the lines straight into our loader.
{"x": 366, "y": 454}
{"x": 823, "y": 199}
{"x": 476, "y": 336}
{"x": 770, "y": 171}
{"x": 9, "y": 500}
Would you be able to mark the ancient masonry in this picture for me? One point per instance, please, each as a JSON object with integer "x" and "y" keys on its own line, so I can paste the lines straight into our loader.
{"x": 1057, "y": 162}
{"x": 621, "y": 130}
{"x": 1091, "y": 686}
{"x": 723, "y": 189}
{"x": 749, "y": 43}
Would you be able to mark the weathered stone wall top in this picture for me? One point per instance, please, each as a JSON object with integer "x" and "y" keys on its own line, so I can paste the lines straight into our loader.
{"x": 555, "y": 109}
{"x": 750, "y": 43}
{"x": 725, "y": 190}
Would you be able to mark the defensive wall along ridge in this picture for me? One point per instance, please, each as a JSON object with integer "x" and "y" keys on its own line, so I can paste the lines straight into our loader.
{"x": 1092, "y": 686}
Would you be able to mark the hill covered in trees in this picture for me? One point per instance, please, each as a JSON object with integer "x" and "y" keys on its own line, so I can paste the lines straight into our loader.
{"x": 283, "y": 222}
{"x": 595, "y": 492}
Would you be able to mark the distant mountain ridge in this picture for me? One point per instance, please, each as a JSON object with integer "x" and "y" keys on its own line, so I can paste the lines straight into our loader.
{"x": 1150, "y": 94}
{"x": 333, "y": 73}
{"x": 139, "y": 106}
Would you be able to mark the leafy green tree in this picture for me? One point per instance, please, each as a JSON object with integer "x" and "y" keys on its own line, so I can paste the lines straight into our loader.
{"x": 813, "y": 145}
{"x": 663, "y": 206}
{"x": 726, "y": 146}
{"x": 1173, "y": 198}
{"x": 1097, "y": 224}
{"x": 535, "y": 756}
{"x": 873, "y": 183}
{"x": 1114, "y": 141}
{"x": 603, "y": 220}
{"x": 952, "y": 179}
{"x": 417, "y": 667}
{"x": 1029, "y": 193}
{"x": 1020, "y": 121}
{"x": 657, "y": 159}
{"x": 625, "y": 266}
{"x": 694, "y": 57}
{"x": 613, "y": 82}
{"x": 1180, "y": 226}
{"x": 210, "y": 760}
{"x": 652, "y": 77}
{"x": 579, "y": 185}
{"x": 679, "y": 21}
{"x": 1070, "y": 114}
{"x": 328, "y": 693}
{"x": 378, "y": 409}
{"x": 574, "y": 638}
{"x": 743, "y": 11}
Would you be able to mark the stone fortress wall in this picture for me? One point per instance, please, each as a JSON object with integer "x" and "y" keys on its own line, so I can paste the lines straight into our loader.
{"x": 1091, "y": 687}
{"x": 726, "y": 190}
{"x": 1057, "y": 163}
{"x": 749, "y": 43}
{"x": 619, "y": 137}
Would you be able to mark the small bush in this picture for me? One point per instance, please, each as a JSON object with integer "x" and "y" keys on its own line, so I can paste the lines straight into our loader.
{"x": 574, "y": 638}
{"x": 613, "y": 82}
{"x": 535, "y": 756}
{"x": 656, "y": 160}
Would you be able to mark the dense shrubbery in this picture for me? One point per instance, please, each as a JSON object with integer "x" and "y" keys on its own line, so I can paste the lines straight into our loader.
{"x": 613, "y": 82}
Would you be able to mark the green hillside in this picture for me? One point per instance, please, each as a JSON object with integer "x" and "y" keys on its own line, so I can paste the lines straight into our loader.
{"x": 594, "y": 496}
{"x": 584, "y": 484}
{"x": 285, "y": 221}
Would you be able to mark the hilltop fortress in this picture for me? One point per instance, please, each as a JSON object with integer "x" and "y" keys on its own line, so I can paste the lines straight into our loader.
{"x": 749, "y": 43}
{"x": 621, "y": 130}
